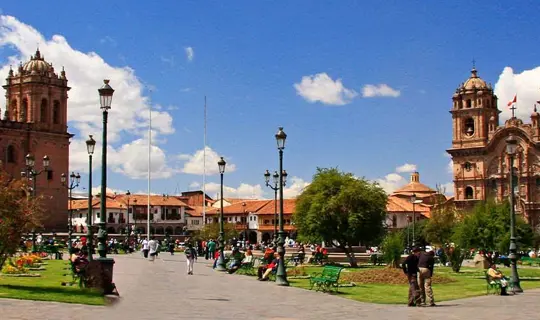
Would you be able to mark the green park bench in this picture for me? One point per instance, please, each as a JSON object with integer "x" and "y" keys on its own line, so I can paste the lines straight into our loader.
{"x": 528, "y": 261}
{"x": 327, "y": 279}
{"x": 494, "y": 286}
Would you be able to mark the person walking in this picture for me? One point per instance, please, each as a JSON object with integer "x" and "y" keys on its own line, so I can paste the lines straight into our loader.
{"x": 426, "y": 262}
{"x": 145, "y": 248}
{"x": 153, "y": 248}
{"x": 211, "y": 249}
{"x": 410, "y": 268}
{"x": 191, "y": 256}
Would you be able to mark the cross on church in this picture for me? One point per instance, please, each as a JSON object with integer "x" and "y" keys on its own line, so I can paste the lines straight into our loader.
{"x": 513, "y": 108}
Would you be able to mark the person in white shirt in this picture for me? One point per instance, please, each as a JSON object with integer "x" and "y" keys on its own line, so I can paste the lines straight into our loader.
{"x": 145, "y": 248}
{"x": 152, "y": 248}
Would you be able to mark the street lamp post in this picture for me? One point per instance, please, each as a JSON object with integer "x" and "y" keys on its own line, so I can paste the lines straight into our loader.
{"x": 408, "y": 236}
{"x": 247, "y": 224}
{"x": 221, "y": 260}
{"x": 275, "y": 187}
{"x": 281, "y": 274}
{"x": 413, "y": 200}
{"x": 74, "y": 180}
{"x": 511, "y": 147}
{"x": 135, "y": 220}
{"x": 90, "y": 145}
{"x": 128, "y": 194}
{"x": 105, "y": 94}
{"x": 31, "y": 173}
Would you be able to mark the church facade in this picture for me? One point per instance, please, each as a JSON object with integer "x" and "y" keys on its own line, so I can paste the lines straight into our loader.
{"x": 481, "y": 166}
{"x": 35, "y": 122}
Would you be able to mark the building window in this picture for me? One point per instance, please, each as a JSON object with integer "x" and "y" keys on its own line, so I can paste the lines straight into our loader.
{"x": 56, "y": 112}
{"x": 195, "y": 222}
{"x": 537, "y": 181}
{"x": 24, "y": 110}
{"x": 469, "y": 193}
{"x": 43, "y": 111}
{"x": 14, "y": 110}
{"x": 469, "y": 103}
{"x": 11, "y": 156}
{"x": 469, "y": 127}
{"x": 394, "y": 221}
{"x": 49, "y": 174}
{"x": 494, "y": 185}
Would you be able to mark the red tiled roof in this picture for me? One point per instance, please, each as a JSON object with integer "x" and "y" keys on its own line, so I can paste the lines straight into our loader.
{"x": 238, "y": 208}
{"x": 155, "y": 200}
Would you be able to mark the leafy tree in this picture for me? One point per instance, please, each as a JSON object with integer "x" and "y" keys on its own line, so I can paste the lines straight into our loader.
{"x": 211, "y": 231}
{"x": 439, "y": 229}
{"x": 488, "y": 227}
{"x": 341, "y": 210}
{"x": 392, "y": 247}
{"x": 18, "y": 215}
{"x": 419, "y": 227}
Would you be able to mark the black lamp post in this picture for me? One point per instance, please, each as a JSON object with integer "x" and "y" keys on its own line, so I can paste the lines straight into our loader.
{"x": 413, "y": 200}
{"x": 247, "y": 224}
{"x": 74, "y": 180}
{"x": 275, "y": 187}
{"x": 105, "y": 95}
{"x": 32, "y": 174}
{"x": 128, "y": 194}
{"x": 281, "y": 274}
{"x": 135, "y": 220}
{"x": 511, "y": 147}
{"x": 221, "y": 260}
{"x": 90, "y": 145}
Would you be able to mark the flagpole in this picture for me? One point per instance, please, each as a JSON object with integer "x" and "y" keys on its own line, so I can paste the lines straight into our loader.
{"x": 149, "y": 170}
{"x": 204, "y": 166}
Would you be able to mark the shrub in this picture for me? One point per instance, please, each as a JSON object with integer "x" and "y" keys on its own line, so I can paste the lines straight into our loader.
{"x": 392, "y": 247}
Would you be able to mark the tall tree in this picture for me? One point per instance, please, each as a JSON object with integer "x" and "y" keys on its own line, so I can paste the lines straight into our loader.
{"x": 211, "y": 231}
{"x": 341, "y": 209}
{"x": 18, "y": 214}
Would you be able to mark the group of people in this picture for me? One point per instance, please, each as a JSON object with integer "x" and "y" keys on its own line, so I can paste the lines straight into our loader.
{"x": 418, "y": 267}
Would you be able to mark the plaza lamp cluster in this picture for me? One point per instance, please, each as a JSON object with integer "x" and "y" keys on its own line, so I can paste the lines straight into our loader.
{"x": 279, "y": 183}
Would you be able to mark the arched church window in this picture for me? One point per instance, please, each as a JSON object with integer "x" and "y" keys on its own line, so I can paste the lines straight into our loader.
{"x": 469, "y": 103}
{"x": 469, "y": 127}
{"x": 56, "y": 112}
{"x": 469, "y": 193}
{"x": 43, "y": 111}
{"x": 493, "y": 185}
{"x": 479, "y": 102}
{"x": 468, "y": 166}
{"x": 14, "y": 109}
{"x": 24, "y": 110}
{"x": 11, "y": 156}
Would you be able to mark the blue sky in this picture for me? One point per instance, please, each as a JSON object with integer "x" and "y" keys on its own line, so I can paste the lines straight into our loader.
{"x": 247, "y": 58}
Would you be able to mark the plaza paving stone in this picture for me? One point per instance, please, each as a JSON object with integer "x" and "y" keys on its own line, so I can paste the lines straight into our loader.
{"x": 163, "y": 290}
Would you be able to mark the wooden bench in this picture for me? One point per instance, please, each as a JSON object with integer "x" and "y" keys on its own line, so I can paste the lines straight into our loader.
{"x": 495, "y": 286}
{"x": 328, "y": 279}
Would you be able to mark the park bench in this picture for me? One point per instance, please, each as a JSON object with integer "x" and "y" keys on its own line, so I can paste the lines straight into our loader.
{"x": 528, "y": 261}
{"x": 78, "y": 275}
{"x": 495, "y": 286}
{"x": 248, "y": 268}
{"x": 328, "y": 279}
{"x": 52, "y": 250}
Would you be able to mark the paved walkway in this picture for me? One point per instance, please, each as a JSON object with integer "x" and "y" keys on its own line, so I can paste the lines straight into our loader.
{"x": 162, "y": 290}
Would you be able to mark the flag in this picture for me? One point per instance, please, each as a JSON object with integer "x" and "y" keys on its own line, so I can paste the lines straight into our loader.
{"x": 513, "y": 101}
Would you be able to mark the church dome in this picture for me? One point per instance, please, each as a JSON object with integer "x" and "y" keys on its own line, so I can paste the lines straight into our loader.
{"x": 37, "y": 64}
{"x": 474, "y": 81}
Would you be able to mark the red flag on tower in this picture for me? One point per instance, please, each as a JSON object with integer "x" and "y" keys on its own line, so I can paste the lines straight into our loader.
{"x": 512, "y": 102}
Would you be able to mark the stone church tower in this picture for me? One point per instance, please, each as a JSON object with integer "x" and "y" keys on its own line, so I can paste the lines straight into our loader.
{"x": 480, "y": 163}
{"x": 35, "y": 122}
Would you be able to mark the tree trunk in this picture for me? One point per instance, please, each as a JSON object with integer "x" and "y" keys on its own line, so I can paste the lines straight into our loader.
{"x": 350, "y": 255}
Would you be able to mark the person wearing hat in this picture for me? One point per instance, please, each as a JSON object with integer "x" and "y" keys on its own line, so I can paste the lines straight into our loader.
{"x": 410, "y": 268}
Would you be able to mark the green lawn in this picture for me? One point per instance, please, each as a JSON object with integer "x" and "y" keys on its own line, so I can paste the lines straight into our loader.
{"x": 470, "y": 282}
{"x": 48, "y": 287}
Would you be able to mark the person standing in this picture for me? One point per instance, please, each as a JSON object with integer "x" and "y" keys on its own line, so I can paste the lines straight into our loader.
{"x": 153, "y": 248}
{"x": 410, "y": 268}
{"x": 211, "y": 249}
{"x": 191, "y": 256}
{"x": 145, "y": 248}
{"x": 426, "y": 262}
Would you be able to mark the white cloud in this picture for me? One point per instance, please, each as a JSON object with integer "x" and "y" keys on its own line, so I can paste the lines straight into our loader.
{"x": 195, "y": 162}
{"x": 244, "y": 191}
{"x": 525, "y": 85}
{"x": 391, "y": 182}
{"x": 97, "y": 190}
{"x": 190, "y": 53}
{"x": 407, "y": 167}
{"x": 128, "y": 118}
{"x": 380, "y": 90}
{"x": 109, "y": 40}
{"x": 322, "y": 88}
{"x": 168, "y": 60}
{"x": 450, "y": 167}
{"x": 295, "y": 186}
{"x": 194, "y": 185}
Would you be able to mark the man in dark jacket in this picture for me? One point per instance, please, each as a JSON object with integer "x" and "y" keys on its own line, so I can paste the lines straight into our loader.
{"x": 426, "y": 261}
{"x": 410, "y": 268}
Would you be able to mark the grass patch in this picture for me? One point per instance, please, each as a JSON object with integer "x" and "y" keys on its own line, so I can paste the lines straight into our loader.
{"x": 48, "y": 287}
{"x": 468, "y": 283}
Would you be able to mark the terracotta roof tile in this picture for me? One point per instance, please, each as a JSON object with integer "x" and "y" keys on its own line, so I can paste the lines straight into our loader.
{"x": 155, "y": 200}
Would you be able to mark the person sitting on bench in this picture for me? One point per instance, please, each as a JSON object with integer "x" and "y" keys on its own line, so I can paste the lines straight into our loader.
{"x": 496, "y": 276}
{"x": 269, "y": 268}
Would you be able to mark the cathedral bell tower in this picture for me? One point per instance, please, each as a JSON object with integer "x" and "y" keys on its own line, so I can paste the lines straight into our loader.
{"x": 35, "y": 122}
{"x": 474, "y": 113}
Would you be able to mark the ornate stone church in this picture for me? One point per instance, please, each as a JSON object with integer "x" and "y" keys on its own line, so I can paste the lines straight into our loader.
{"x": 480, "y": 162}
{"x": 35, "y": 123}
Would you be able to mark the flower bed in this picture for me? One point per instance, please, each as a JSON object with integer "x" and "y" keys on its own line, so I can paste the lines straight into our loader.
{"x": 386, "y": 276}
